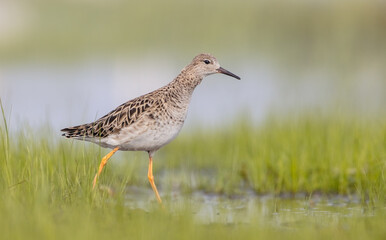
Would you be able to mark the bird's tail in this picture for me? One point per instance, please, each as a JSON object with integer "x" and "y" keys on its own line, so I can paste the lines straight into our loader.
{"x": 80, "y": 131}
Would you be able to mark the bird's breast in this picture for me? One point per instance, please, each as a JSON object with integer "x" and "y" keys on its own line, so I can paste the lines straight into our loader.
{"x": 148, "y": 134}
{"x": 153, "y": 130}
{"x": 153, "y": 138}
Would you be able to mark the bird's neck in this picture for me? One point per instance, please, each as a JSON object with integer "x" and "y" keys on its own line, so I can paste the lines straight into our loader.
{"x": 186, "y": 82}
{"x": 180, "y": 90}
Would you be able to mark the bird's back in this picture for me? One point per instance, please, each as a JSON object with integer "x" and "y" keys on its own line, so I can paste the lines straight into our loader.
{"x": 123, "y": 116}
{"x": 156, "y": 118}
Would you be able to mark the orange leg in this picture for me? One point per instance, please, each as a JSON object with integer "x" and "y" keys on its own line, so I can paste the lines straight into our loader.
{"x": 151, "y": 179}
{"x": 103, "y": 163}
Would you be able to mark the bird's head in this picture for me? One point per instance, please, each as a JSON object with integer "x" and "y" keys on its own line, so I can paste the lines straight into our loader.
{"x": 205, "y": 64}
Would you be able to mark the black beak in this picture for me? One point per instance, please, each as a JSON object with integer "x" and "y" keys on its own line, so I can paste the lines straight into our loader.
{"x": 226, "y": 72}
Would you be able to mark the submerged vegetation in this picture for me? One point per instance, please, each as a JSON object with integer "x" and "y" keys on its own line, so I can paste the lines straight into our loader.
{"x": 45, "y": 182}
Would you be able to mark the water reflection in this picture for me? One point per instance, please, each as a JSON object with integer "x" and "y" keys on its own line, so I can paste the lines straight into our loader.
{"x": 65, "y": 94}
{"x": 272, "y": 210}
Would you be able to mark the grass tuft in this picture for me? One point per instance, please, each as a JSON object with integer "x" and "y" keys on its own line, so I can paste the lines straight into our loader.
{"x": 45, "y": 182}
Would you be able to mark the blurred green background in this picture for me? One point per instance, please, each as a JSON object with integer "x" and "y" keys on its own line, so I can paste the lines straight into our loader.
{"x": 339, "y": 35}
{"x": 291, "y": 55}
{"x": 296, "y": 149}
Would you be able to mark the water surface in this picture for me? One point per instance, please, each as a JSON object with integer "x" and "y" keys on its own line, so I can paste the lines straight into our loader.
{"x": 79, "y": 92}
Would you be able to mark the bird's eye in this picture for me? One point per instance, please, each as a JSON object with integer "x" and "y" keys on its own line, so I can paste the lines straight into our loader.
{"x": 206, "y": 61}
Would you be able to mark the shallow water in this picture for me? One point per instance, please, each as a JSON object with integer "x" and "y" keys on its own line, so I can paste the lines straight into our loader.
{"x": 282, "y": 211}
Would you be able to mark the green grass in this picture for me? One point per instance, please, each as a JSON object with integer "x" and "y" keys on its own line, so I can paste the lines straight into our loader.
{"x": 45, "y": 181}
{"x": 306, "y": 154}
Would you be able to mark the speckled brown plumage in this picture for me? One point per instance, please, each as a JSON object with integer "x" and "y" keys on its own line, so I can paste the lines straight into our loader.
{"x": 154, "y": 105}
{"x": 148, "y": 122}
{"x": 114, "y": 121}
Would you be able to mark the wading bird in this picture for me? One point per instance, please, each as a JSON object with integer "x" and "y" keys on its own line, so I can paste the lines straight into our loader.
{"x": 151, "y": 121}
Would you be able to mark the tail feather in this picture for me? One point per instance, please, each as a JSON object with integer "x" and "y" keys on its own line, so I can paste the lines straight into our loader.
{"x": 76, "y": 131}
{"x": 90, "y": 130}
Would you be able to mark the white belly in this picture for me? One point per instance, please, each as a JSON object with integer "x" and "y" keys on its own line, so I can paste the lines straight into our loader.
{"x": 148, "y": 138}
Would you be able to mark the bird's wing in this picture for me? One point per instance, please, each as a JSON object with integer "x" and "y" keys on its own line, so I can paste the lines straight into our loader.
{"x": 123, "y": 116}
